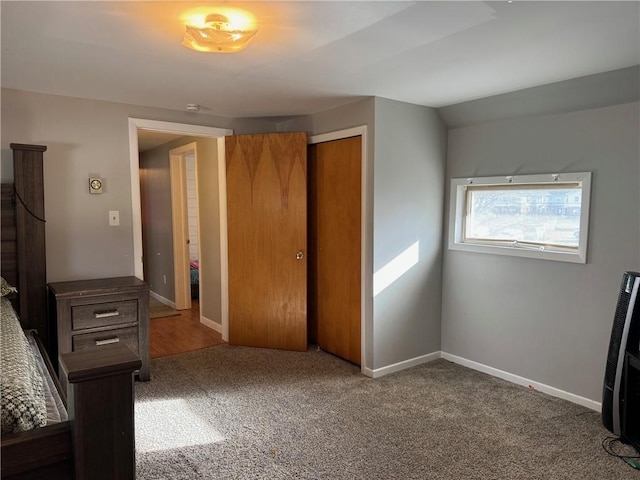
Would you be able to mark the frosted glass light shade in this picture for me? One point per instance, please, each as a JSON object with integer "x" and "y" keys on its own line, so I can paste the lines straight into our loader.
{"x": 218, "y": 35}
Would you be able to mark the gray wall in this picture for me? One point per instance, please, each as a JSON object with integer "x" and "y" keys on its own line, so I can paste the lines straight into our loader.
{"x": 405, "y": 167}
{"x": 410, "y": 151}
{"x": 157, "y": 228}
{"x": 87, "y": 137}
{"x": 593, "y": 91}
{"x": 543, "y": 320}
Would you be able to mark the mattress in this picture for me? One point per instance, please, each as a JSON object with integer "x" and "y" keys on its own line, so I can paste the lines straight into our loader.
{"x": 56, "y": 410}
{"x": 29, "y": 398}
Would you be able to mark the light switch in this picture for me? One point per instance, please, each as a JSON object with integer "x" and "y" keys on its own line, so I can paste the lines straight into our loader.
{"x": 114, "y": 218}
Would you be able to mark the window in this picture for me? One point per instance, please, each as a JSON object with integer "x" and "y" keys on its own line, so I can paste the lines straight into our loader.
{"x": 537, "y": 216}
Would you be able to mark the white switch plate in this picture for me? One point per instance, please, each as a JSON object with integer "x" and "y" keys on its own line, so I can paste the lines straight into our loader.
{"x": 114, "y": 218}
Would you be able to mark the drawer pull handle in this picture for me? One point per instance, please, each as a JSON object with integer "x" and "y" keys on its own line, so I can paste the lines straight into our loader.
{"x": 106, "y": 314}
{"x": 107, "y": 341}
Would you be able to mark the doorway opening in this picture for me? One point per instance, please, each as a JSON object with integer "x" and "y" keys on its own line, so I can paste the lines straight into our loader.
{"x": 210, "y": 143}
{"x": 180, "y": 333}
{"x": 184, "y": 216}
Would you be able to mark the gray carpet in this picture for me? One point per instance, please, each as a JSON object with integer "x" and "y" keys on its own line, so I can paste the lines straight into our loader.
{"x": 241, "y": 413}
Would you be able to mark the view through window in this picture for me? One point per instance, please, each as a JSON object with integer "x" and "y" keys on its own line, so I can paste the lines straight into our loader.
{"x": 548, "y": 216}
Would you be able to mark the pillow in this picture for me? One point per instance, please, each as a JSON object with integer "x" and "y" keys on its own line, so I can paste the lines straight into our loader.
{"x": 5, "y": 288}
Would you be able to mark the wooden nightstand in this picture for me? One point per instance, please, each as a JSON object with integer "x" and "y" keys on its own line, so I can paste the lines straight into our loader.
{"x": 103, "y": 311}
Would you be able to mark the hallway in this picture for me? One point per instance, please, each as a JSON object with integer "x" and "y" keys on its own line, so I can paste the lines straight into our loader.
{"x": 180, "y": 333}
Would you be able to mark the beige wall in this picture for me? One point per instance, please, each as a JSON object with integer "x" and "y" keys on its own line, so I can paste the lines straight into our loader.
{"x": 209, "y": 222}
{"x": 155, "y": 193}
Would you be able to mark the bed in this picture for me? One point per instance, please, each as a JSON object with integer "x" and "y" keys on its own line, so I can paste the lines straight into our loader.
{"x": 194, "y": 270}
{"x": 48, "y": 433}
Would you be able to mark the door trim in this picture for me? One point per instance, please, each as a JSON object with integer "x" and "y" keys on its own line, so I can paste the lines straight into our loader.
{"x": 180, "y": 224}
{"x": 185, "y": 129}
{"x": 224, "y": 247}
{"x": 366, "y": 218}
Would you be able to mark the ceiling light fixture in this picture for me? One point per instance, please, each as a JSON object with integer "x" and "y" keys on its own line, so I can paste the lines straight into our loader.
{"x": 219, "y": 34}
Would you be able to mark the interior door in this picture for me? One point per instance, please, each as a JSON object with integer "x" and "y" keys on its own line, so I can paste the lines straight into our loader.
{"x": 335, "y": 210}
{"x": 267, "y": 239}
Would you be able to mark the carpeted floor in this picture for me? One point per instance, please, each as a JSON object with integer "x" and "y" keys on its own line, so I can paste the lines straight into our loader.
{"x": 242, "y": 413}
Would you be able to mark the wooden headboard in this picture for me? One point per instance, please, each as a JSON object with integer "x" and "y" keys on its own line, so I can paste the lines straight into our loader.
{"x": 23, "y": 240}
{"x": 8, "y": 255}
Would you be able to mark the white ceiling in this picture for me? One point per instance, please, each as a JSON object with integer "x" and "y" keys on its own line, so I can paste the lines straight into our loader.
{"x": 312, "y": 56}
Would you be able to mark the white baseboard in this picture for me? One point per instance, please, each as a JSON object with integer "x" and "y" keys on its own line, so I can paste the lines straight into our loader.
{"x": 494, "y": 372}
{"x": 396, "y": 367}
{"x": 163, "y": 300}
{"x": 366, "y": 372}
{"x": 211, "y": 324}
{"x": 510, "y": 377}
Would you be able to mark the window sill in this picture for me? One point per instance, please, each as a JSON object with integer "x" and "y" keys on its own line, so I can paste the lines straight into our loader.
{"x": 520, "y": 251}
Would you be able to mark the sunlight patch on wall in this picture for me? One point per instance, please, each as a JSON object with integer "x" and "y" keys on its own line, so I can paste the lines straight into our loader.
{"x": 397, "y": 267}
{"x": 169, "y": 424}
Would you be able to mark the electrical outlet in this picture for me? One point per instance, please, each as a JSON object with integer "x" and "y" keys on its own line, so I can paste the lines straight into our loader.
{"x": 114, "y": 218}
{"x": 164, "y": 279}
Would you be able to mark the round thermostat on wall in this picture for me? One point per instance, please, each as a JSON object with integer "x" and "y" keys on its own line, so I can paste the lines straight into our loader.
{"x": 95, "y": 185}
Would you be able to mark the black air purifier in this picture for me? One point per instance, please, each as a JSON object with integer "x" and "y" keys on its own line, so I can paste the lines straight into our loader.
{"x": 625, "y": 337}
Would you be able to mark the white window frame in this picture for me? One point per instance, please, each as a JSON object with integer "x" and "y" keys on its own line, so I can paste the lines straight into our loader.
{"x": 457, "y": 240}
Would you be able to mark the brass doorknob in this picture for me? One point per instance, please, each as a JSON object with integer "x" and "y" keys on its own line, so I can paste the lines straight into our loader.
{"x": 299, "y": 255}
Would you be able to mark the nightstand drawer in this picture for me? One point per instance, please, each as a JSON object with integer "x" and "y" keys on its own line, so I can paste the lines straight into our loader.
{"x": 122, "y": 336}
{"x": 102, "y": 310}
{"x": 104, "y": 314}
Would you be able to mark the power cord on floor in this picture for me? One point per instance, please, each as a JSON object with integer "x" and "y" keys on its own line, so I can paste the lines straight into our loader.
{"x": 632, "y": 460}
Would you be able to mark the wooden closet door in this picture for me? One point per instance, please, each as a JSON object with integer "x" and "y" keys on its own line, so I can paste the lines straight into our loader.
{"x": 267, "y": 235}
{"x": 335, "y": 210}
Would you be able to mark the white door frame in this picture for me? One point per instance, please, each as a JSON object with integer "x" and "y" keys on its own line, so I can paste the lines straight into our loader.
{"x": 185, "y": 129}
{"x": 366, "y": 218}
{"x": 180, "y": 223}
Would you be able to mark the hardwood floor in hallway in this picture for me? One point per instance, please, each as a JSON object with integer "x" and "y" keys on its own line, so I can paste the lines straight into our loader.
{"x": 181, "y": 333}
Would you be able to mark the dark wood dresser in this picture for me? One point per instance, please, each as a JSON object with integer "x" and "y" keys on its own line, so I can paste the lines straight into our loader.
{"x": 102, "y": 311}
